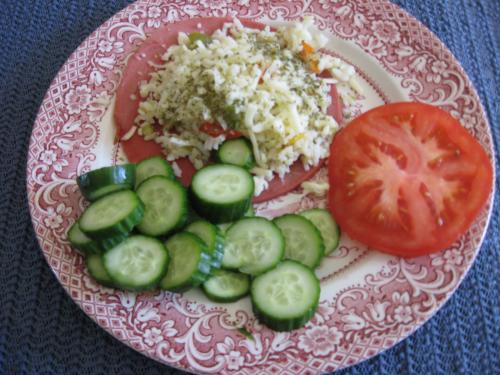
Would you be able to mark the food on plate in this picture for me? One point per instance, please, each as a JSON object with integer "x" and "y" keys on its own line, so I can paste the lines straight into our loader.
{"x": 328, "y": 228}
{"x": 153, "y": 166}
{"x": 303, "y": 241}
{"x": 112, "y": 216}
{"x": 190, "y": 262}
{"x": 286, "y": 297}
{"x": 177, "y": 255}
{"x": 253, "y": 245}
{"x": 407, "y": 178}
{"x": 137, "y": 263}
{"x": 236, "y": 151}
{"x": 222, "y": 192}
{"x": 165, "y": 206}
{"x": 102, "y": 181}
{"x": 227, "y": 286}
{"x": 186, "y": 92}
{"x": 212, "y": 236}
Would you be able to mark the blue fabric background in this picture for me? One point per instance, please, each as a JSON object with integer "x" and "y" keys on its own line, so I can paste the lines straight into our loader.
{"x": 43, "y": 332}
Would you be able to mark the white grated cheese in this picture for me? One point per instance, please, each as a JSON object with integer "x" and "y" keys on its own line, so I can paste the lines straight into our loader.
{"x": 129, "y": 134}
{"x": 177, "y": 169}
{"x": 316, "y": 188}
{"x": 254, "y": 80}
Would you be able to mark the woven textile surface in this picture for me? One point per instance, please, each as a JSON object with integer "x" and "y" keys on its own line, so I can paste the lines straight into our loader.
{"x": 43, "y": 332}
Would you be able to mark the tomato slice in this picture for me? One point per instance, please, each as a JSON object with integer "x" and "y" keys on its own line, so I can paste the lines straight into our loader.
{"x": 407, "y": 179}
{"x": 139, "y": 68}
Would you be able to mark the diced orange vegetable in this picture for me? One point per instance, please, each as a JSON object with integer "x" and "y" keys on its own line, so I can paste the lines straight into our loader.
{"x": 307, "y": 48}
{"x": 313, "y": 65}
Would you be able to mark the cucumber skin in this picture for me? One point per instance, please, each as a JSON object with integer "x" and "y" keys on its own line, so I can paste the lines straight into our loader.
{"x": 150, "y": 286}
{"x": 124, "y": 227}
{"x": 121, "y": 175}
{"x": 202, "y": 272}
{"x": 224, "y": 212}
{"x": 105, "y": 282}
{"x": 234, "y": 298}
{"x": 313, "y": 227}
{"x": 217, "y": 252}
{"x": 95, "y": 246}
{"x": 220, "y": 213}
{"x": 184, "y": 214}
{"x": 288, "y": 324}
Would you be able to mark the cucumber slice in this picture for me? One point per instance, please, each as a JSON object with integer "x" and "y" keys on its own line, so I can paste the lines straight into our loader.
{"x": 237, "y": 152}
{"x": 303, "y": 241}
{"x": 82, "y": 242}
{"x": 190, "y": 262}
{"x": 103, "y": 181}
{"x": 226, "y": 286}
{"x": 112, "y": 215}
{"x": 96, "y": 269}
{"x": 153, "y": 166}
{"x": 328, "y": 228}
{"x": 212, "y": 236}
{"x": 253, "y": 245}
{"x": 166, "y": 206}
{"x": 138, "y": 263}
{"x": 286, "y": 297}
{"x": 222, "y": 192}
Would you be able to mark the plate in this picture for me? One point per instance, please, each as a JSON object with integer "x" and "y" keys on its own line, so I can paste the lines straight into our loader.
{"x": 369, "y": 300}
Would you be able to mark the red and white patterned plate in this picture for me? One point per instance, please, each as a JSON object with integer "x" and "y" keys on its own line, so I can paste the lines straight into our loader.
{"x": 369, "y": 300}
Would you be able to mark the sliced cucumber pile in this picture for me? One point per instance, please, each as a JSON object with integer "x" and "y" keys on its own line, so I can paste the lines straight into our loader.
{"x": 103, "y": 181}
{"x": 186, "y": 236}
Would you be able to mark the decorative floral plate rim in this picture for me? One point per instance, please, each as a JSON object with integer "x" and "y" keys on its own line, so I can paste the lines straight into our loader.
{"x": 360, "y": 320}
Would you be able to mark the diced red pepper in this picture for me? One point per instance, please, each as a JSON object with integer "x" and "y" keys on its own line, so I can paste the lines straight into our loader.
{"x": 231, "y": 134}
{"x": 212, "y": 129}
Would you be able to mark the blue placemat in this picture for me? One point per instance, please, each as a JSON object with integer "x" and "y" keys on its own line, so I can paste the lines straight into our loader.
{"x": 43, "y": 332}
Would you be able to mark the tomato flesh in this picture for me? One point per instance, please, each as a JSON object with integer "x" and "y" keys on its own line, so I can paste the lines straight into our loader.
{"x": 138, "y": 69}
{"x": 407, "y": 178}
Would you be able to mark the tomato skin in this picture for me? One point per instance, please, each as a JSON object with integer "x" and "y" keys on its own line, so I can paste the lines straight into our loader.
{"x": 407, "y": 179}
